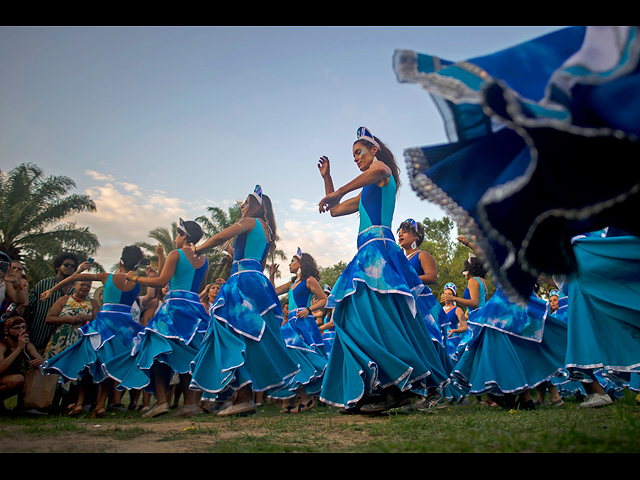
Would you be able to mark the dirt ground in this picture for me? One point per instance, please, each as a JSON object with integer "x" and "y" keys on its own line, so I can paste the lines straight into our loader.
{"x": 171, "y": 436}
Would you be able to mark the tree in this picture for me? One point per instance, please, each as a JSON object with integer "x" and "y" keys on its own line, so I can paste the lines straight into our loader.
{"x": 329, "y": 275}
{"x": 220, "y": 261}
{"x": 449, "y": 255}
{"x": 33, "y": 211}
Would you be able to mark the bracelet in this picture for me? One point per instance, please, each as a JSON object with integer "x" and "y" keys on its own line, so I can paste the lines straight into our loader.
{"x": 135, "y": 279}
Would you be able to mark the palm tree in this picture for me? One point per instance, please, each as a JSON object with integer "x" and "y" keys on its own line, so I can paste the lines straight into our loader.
{"x": 220, "y": 261}
{"x": 33, "y": 208}
{"x": 162, "y": 236}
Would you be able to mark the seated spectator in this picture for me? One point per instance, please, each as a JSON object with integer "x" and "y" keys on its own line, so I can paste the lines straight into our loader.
{"x": 16, "y": 352}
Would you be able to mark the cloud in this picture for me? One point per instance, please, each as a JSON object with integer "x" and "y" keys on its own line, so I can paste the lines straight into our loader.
{"x": 299, "y": 205}
{"x": 125, "y": 215}
{"x": 99, "y": 176}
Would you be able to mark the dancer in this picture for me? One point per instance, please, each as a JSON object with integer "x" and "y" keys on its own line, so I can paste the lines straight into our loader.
{"x": 301, "y": 332}
{"x": 457, "y": 319}
{"x": 110, "y": 334}
{"x": 173, "y": 336}
{"x": 382, "y": 348}
{"x": 600, "y": 316}
{"x": 244, "y": 350}
{"x": 521, "y": 121}
{"x": 410, "y": 237}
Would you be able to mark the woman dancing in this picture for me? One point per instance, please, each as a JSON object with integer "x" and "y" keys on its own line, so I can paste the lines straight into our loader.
{"x": 410, "y": 237}
{"x": 110, "y": 334}
{"x": 173, "y": 336}
{"x": 301, "y": 332}
{"x": 382, "y": 348}
{"x": 244, "y": 350}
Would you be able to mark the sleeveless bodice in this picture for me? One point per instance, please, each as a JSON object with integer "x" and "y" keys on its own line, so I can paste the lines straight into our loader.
{"x": 113, "y": 294}
{"x": 377, "y": 205}
{"x": 251, "y": 245}
{"x": 186, "y": 277}
{"x": 300, "y": 296}
{"x": 414, "y": 261}
{"x": 483, "y": 294}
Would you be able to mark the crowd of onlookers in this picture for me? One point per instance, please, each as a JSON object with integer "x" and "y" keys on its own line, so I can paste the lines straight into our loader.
{"x": 33, "y": 330}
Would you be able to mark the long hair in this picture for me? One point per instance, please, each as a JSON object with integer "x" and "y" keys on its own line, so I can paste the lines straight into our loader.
{"x": 475, "y": 267}
{"x": 309, "y": 267}
{"x": 265, "y": 212}
{"x": 385, "y": 156}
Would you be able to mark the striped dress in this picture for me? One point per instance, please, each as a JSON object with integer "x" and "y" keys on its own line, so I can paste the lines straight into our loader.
{"x": 40, "y": 332}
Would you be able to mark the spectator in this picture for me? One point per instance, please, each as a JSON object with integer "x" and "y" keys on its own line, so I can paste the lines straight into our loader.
{"x": 64, "y": 264}
{"x": 16, "y": 351}
{"x": 68, "y": 314}
{"x": 14, "y": 287}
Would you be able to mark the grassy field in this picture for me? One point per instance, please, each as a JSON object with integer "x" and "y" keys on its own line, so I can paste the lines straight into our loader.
{"x": 477, "y": 429}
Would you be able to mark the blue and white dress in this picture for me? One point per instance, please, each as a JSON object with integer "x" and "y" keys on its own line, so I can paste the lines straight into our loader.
{"x": 458, "y": 341}
{"x": 244, "y": 343}
{"x": 328, "y": 334}
{"x": 604, "y": 310}
{"x": 173, "y": 336}
{"x": 110, "y": 334}
{"x": 519, "y": 122}
{"x": 381, "y": 338}
{"x": 513, "y": 348}
{"x": 305, "y": 343}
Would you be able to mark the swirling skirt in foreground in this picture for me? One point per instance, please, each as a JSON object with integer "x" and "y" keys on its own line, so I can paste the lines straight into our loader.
{"x": 539, "y": 116}
{"x": 109, "y": 335}
{"x": 497, "y": 362}
{"x": 604, "y": 308}
{"x": 244, "y": 344}
{"x": 380, "y": 336}
{"x": 173, "y": 337}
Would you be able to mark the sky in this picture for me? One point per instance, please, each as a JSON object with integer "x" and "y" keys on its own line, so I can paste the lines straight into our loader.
{"x": 159, "y": 123}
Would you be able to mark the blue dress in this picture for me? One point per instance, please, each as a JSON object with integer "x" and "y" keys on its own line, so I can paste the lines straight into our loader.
{"x": 604, "y": 309}
{"x": 110, "y": 334}
{"x": 513, "y": 348}
{"x": 173, "y": 336}
{"x": 458, "y": 341}
{"x": 519, "y": 122}
{"x": 328, "y": 335}
{"x": 381, "y": 338}
{"x": 244, "y": 343}
{"x": 305, "y": 343}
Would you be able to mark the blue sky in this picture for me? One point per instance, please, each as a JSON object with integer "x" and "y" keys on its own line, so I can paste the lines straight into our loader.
{"x": 156, "y": 123}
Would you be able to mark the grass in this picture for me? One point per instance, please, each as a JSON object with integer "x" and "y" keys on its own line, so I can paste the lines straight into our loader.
{"x": 470, "y": 429}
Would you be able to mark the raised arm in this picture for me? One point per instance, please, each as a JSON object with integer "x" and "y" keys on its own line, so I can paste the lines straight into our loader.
{"x": 99, "y": 277}
{"x": 332, "y": 201}
{"x": 243, "y": 225}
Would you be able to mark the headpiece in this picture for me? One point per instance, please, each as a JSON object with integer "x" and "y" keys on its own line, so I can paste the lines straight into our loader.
{"x": 298, "y": 254}
{"x": 182, "y": 228}
{"x": 257, "y": 192}
{"x": 554, "y": 292}
{"x": 413, "y": 223}
{"x": 452, "y": 286}
{"x": 365, "y": 134}
{"x": 12, "y": 322}
{"x": 326, "y": 289}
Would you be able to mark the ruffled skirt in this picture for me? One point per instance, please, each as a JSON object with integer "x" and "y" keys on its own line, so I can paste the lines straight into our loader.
{"x": 172, "y": 337}
{"x": 109, "y": 335}
{"x": 381, "y": 338}
{"x": 604, "y": 309}
{"x": 244, "y": 343}
{"x": 499, "y": 362}
{"x": 537, "y": 117}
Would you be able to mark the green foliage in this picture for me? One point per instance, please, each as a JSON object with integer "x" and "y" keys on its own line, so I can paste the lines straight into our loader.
{"x": 329, "y": 275}
{"x": 32, "y": 227}
{"x": 449, "y": 255}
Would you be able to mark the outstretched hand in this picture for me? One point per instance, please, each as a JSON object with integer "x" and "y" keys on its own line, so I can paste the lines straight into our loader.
{"x": 329, "y": 201}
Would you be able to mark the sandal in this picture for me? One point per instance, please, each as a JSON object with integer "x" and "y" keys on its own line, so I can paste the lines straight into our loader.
{"x": 98, "y": 413}
{"x": 303, "y": 407}
{"x": 288, "y": 409}
{"x": 75, "y": 411}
